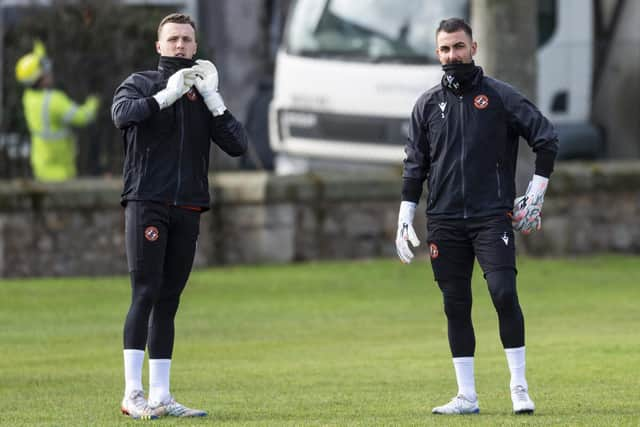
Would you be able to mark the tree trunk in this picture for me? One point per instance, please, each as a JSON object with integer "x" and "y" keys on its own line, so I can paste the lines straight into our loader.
{"x": 507, "y": 33}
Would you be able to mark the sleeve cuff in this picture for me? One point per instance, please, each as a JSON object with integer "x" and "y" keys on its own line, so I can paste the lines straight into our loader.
{"x": 411, "y": 190}
{"x": 154, "y": 107}
{"x": 226, "y": 115}
{"x": 544, "y": 163}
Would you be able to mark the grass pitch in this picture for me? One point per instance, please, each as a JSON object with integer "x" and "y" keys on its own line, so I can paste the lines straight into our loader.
{"x": 328, "y": 344}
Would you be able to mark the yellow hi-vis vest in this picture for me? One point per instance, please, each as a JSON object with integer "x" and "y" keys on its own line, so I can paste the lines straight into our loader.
{"x": 50, "y": 114}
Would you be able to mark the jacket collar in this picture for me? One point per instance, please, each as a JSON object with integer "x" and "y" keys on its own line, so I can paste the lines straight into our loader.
{"x": 463, "y": 83}
{"x": 168, "y": 65}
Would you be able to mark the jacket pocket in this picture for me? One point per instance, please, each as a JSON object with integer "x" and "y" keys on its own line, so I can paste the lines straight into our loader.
{"x": 204, "y": 176}
{"x": 145, "y": 161}
{"x": 433, "y": 187}
{"x": 144, "y": 168}
{"x": 498, "y": 180}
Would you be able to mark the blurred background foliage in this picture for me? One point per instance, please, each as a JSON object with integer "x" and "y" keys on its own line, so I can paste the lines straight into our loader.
{"x": 94, "y": 46}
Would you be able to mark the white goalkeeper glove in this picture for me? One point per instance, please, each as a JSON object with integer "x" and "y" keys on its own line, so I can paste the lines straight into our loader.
{"x": 178, "y": 84}
{"x": 406, "y": 233}
{"x": 527, "y": 209}
{"x": 207, "y": 85}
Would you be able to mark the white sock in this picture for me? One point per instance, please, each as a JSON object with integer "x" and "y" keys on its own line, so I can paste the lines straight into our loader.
{"x": 516, "y": 362}
{"x": 159, "y": 375}
{"x": 133, "y": 360}
{"x": 465, "y": 377}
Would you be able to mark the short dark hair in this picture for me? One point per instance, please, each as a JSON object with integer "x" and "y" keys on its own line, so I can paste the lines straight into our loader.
{"x": 176, "y": 18}
{"x": 451, "y": 25}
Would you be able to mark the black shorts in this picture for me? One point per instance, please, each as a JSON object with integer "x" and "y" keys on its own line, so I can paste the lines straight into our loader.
{"x": 453, "y": 245}
{"x": 160, "y": 238}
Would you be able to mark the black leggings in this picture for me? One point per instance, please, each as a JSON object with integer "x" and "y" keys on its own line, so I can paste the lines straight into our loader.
{"x": 454, "y": 244}
{"x": 457, "y": 307}
{"x": 161, "y": 243}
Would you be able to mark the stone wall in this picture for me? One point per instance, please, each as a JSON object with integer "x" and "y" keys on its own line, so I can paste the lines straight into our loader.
{"x": 76, "y": 228}
{"x": 593, "y": 207}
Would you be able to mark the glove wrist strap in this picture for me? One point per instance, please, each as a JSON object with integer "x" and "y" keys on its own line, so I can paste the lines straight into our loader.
{"x": 162, "y": 99}
{"x": 539, "y": 184}
{"x": 407, "y": 212}
{"x": 215, "y": 103}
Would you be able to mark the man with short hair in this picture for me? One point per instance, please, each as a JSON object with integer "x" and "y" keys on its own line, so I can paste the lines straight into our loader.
{"x": 464, "y": 140}
{"x": 168, "y": 119}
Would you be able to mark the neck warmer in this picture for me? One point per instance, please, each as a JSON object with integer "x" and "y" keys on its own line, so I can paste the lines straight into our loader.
{"x": 170, "y": 64}
{"x": 459, "y": 77}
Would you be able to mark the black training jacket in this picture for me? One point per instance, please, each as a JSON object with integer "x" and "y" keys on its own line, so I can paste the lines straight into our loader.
{"x": 167, "y": 151}
{"x": 466, "y": 146}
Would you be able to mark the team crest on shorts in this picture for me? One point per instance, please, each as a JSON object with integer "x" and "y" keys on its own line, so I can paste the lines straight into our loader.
{"x": 481, "y": 102}
{"x": 151, "y": 233}
{"x": 433, "y": 251}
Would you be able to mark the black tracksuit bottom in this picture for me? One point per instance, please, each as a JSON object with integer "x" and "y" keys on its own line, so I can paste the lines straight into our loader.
{"x": 453, "y": 245}
{"x": 160, "y": 244}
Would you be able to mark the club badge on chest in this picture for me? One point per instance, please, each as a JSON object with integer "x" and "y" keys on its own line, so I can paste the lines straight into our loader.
{"x": 192, "y": 94}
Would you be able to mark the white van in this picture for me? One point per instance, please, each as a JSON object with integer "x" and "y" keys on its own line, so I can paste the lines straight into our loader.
{"x": 349, "y": 71}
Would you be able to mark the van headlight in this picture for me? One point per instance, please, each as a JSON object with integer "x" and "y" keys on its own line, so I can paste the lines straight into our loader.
{"x": 298, "y": 123}
{"x": 299, "y": 119}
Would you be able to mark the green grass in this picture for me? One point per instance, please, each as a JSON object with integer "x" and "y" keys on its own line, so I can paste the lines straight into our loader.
{"x": 328, "y": 344}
